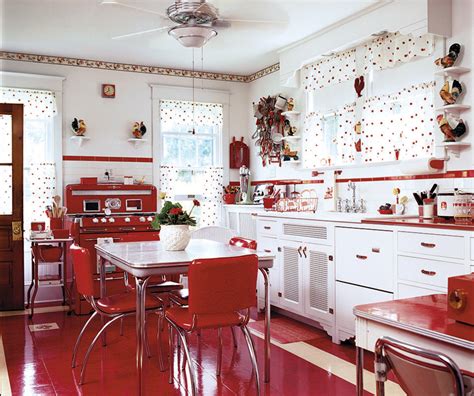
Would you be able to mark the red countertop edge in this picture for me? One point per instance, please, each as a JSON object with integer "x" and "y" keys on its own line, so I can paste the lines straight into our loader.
{"x": 417, "y": 222}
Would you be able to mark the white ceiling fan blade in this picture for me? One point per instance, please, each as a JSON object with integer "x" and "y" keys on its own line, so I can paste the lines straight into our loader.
{"x": 119, "y": 4}
{"x": 260, "y": 21}
{"x": 122, "y": 36}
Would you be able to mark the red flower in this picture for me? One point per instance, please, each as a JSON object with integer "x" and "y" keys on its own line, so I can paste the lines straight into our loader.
{"x": 175, "y": 211}
{"x": 196, "y": 202}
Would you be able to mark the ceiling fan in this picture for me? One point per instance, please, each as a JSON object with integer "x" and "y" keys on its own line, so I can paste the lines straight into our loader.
{"x": 194, "y": 22}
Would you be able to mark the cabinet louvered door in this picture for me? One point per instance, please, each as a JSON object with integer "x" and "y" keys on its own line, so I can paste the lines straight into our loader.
{"x": 318, "y": 275}
{"x": 247, "y": 225}
{"x": 291, "y": 277}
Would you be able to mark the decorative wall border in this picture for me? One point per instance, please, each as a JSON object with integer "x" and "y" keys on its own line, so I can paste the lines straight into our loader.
{"x": 126, "y": 67}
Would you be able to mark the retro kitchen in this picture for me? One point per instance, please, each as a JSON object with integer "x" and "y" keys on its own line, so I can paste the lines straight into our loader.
{"x": 237, "y": 197}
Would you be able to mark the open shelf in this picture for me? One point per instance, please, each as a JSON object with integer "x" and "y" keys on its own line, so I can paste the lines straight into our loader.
{"x": 80, "y": 139}
{"x": 457, "y": 108}
{"x": 136, "y": 142}
{"x": 452, "y": 71}
{"x": 454, "y": 147}
{"x": 291, "y": 137}
{"x": 291, "y": 113}
{"x": 291, "y": 162}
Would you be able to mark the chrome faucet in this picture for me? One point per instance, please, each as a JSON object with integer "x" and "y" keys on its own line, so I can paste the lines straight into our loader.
{"x": 351, "y": 205}
{"x": 352, "y": 186}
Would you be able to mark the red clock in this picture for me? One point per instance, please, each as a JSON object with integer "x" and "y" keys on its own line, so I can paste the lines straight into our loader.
{"x": 108, "y": 90}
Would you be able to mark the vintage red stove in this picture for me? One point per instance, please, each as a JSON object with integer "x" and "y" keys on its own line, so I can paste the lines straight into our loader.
{"x": 118, "y": 211}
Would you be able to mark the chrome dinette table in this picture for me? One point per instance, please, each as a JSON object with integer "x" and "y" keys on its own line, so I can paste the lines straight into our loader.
{"x": 145, "y": 259}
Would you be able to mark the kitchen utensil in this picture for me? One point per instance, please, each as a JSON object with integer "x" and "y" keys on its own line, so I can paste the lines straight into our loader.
{"x": 433, "y": 189}
{"x": 418, "y": 199}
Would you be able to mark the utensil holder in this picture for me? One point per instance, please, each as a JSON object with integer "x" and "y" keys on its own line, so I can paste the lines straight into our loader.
{"x": 55, "y": 223}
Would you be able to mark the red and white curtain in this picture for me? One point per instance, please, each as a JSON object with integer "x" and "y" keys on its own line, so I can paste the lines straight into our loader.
{"x": 184, "y": 113}
{"x": 390, "y": 50}
{"x": 37, "y": 104}
{"x": 402, "y": 121}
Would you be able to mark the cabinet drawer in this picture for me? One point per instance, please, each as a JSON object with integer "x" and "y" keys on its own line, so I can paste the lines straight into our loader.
{"x": 431, "y": 244}
{"x": 428, "y": 272}
{"x": 267, "y": 227}
{"x": 365, "y": 257}
{"x": 348, "y": 296}
{"x": 409, "y": 291}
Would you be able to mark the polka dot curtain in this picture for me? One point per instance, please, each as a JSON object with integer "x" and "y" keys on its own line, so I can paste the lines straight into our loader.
{"x": 403, "y": 121}
{"x": 182, "y": 113}
{"x": 329, "y": 138}
{"x": 42, "y": 181}
{"x": 329, "y": 71}
{"x": 37, "y": 104}
{"x": 392, "y": 49}
{"x": 211, "y": 211}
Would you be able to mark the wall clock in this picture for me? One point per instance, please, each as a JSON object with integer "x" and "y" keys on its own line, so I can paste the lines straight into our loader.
{"x": 108, "y": 90}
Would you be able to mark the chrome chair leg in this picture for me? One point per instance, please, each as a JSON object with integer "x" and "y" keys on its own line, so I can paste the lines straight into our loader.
{"x": 147, "y": 344}
{"x": 76, "y": 346}
{"x": 185, "y": 347}
{"x": 219, "y": 351}
{"x": 253, "y": 358}
{"x": 171, "y": 353}
{"x": 86, "y": 358}
{"x": 184, "y": 355}
{"x": 234, "y": 336}
{"x": 158, "y": 340}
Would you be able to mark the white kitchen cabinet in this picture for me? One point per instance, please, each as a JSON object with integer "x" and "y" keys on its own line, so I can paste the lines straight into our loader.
{"x": 347, "y": 297}
{"x": 242, "y": 219}
{"x": 269, "y": 244}
{"x": 318, "y": 282}
{"x": 448, "y": 246}
{"x": 409, "y": 291}
{"x": 291, "y": 275}
{"x": 365, "y": 257}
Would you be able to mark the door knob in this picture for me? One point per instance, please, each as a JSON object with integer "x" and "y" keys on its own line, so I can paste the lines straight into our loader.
{"x": 17, "y": 232}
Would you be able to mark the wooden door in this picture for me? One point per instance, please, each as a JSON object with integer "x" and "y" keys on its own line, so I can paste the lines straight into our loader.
{"x": 11, "y": 207}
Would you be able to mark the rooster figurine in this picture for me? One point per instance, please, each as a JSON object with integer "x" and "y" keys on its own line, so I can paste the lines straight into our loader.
{"x": 78, "y": 127}
{"x": 139, "y": 129}
{"x": 450, "y": 58}
{"x": 453, "y": 128}
{"x": 450, "y": 91}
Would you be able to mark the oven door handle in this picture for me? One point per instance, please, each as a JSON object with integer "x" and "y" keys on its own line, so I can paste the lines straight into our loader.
{"x": 95, "y": 239}
{"x": 110, "y": 279}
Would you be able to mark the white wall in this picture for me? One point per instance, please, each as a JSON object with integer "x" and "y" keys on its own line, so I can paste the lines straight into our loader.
{"x": 377, "y": 193}
{"x": 109, "y": 121}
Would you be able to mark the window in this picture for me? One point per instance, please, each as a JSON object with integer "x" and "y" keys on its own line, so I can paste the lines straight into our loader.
{"x": 392, "y": 117}
{"x": 191, "y": 141}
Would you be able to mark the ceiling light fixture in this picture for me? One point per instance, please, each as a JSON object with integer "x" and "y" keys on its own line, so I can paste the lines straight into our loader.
{"x": 193, "y": 36}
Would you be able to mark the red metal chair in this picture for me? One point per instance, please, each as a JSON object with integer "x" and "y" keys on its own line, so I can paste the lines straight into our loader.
{"x": 219, "y": 289}
{"x": 418, "y": 371}
{"x": 112, "y": 307}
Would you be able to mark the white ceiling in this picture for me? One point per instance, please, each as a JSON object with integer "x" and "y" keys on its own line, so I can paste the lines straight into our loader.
{"x": 84, "y": 28}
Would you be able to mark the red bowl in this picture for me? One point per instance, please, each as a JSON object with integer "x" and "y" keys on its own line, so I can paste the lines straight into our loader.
{"x": 385, "y": 211}
{"x": 50, "y": 254}
{"x": 229, "y": 199}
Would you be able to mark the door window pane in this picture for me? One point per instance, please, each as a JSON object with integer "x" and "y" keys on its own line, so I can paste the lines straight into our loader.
{"x": 6, "y": 190}
{"x": 5, "y": 138}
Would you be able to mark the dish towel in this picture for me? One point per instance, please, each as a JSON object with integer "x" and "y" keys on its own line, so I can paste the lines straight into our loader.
{"x": 330, "y": 192}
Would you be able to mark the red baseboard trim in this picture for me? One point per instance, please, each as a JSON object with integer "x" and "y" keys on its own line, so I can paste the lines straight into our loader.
{"x": 105, "y": 159}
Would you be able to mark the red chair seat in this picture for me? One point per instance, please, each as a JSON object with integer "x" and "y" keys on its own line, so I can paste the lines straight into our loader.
{"x": 124, "y": 302}
{"x": 182, "y": 317}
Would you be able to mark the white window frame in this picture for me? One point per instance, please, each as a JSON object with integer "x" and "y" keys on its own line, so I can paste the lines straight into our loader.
{"x": 168, "y": 92}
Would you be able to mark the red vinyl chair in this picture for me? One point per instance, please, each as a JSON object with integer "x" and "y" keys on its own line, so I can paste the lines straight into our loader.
{"x": 219, "y": 289}
{"x": 112, "y": 307}
{"x": 180, "y": 297}
{"x": 418, "y": 371}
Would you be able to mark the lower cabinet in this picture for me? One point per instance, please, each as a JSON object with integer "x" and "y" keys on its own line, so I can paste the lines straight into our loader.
{"x": 307, "y": 280}
{"x": 349, "y": 296}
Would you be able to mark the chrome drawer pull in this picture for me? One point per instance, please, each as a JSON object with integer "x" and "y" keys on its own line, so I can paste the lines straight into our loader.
{"x": 299, "y": 252}
{"x": 376, "y": 250}
{"x": 361, "y": 257}
{"x": 429, "y": 273}
{"x": 304, "y": 252}
{"x": 428, "y": 245}
{"x": 267, "y": 228}
{"x": 267, "y": 250}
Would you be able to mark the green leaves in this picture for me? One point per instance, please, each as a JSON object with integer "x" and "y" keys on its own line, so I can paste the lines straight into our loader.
{"x": 172, "y": 214}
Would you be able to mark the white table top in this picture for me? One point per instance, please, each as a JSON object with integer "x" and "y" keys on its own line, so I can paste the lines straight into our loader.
{"x": 145, "y": 258}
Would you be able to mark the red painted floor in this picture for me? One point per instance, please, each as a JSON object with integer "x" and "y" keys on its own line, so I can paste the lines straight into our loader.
{"x": 39, "y": 363}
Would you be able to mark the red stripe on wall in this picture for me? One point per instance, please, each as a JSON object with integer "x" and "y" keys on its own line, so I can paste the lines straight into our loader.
{"x": 105, "y": 159}
{"x": 448, "y": 175}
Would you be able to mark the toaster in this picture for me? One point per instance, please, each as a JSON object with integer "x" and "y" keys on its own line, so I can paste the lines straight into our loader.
{"x": 461, "y": 298}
